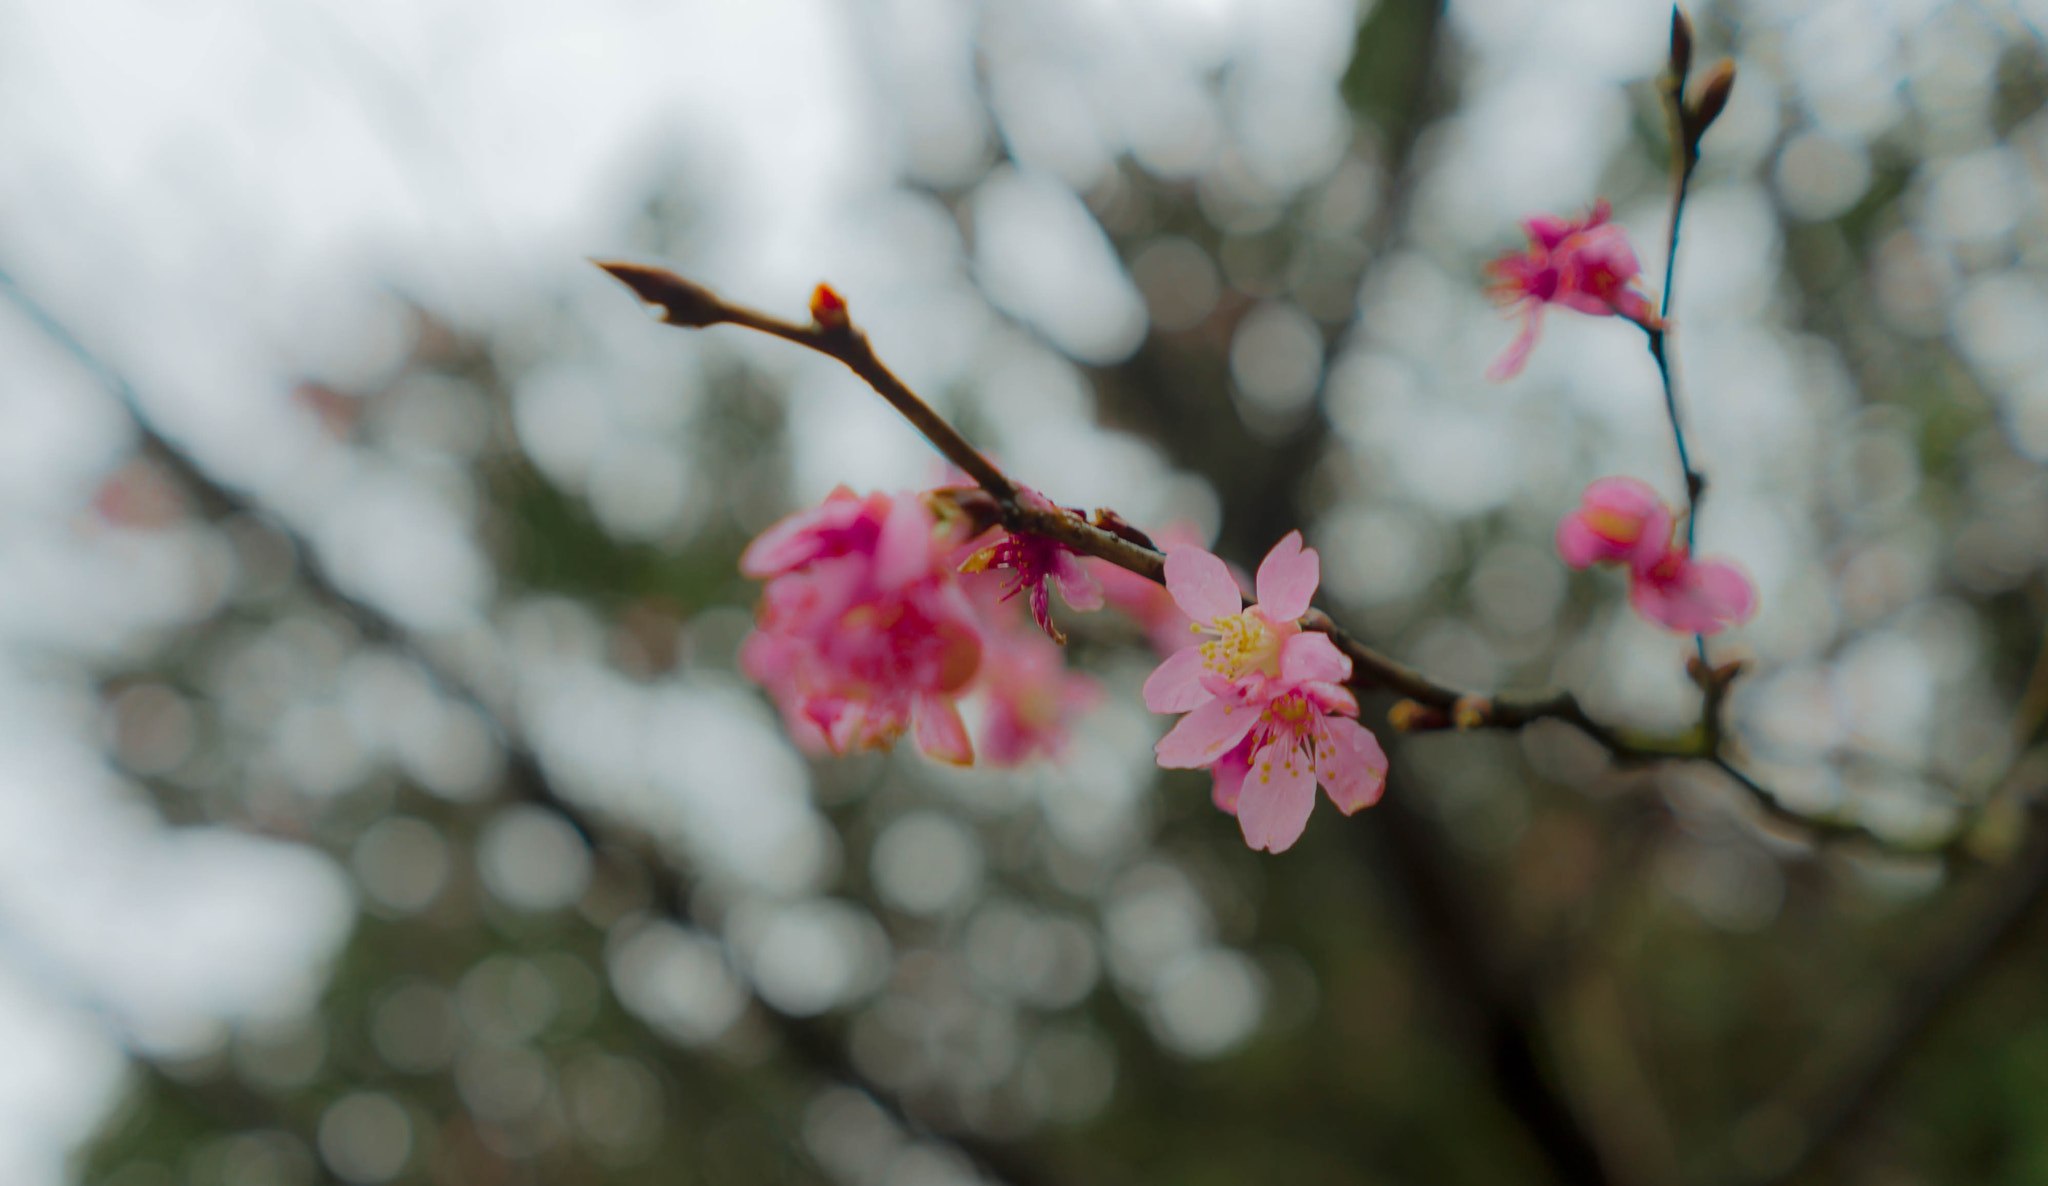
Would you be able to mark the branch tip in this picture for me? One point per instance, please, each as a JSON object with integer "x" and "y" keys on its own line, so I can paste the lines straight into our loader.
{"x": 1681, "y": 45}
{"x": 1706, "y": 106}
{"x": 682, "y": 302}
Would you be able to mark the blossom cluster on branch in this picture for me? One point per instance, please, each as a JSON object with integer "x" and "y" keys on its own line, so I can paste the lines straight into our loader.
{"x": 884, "y": 612}
{"x": 878, "y": 617}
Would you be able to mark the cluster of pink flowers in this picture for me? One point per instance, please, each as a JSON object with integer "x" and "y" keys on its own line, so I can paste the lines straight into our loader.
{"x": 1622, "y": 521}
{"x": 880, "y": 616}
{"x": 878, "y": 619}
{"x": 1586, "y": 264}
{"x": 867, "y": 630}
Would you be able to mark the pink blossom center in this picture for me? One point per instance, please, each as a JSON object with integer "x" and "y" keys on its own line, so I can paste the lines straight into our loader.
{"x": 1614, "y": 525}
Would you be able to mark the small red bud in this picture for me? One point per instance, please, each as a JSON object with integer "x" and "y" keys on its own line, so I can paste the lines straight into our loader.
{"x": 828, "y": 308}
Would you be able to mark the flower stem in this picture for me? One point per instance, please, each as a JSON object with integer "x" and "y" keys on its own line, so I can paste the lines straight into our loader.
{"x": 1695, "y": 483}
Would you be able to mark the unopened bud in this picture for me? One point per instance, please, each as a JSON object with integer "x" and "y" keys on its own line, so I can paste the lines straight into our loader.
{"x": 1118, "y": 526}
{"x": 828, "y": 308}
{"x": 1410, "y": 716}
{"x": 963, "y": 512}
{"x": 1712, "y": 99}
{"x": 1681, "y": 44}
{"x": 1470, "y": 712}
{"x": 682, "y": 302}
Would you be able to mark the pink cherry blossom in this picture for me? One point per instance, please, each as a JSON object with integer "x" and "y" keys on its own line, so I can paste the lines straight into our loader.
{"x": 862, "y": 632}
{"x": 1268, "y": 780}
{"x": 1618, "y": 520}
{"x": 1266, "y": 710}
{"x": 1038, "y": 564}
{"x": 1622, "y": 521}
{"x": 1691, "y": 596}
{"x": 1584, "y": 264}
{"x": 1030, "y": 700}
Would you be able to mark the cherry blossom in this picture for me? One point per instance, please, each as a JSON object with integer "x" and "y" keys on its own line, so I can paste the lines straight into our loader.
{"x": 1618, "y": 520}
{"x": 863, "y": 632}
{"x": 1622, "y": 521}
{"x": 1030, "y": 700}
{"x": 1266, "y": 710}
{"x": 1584, "y": 264}
{"x": 1038, "y": 564}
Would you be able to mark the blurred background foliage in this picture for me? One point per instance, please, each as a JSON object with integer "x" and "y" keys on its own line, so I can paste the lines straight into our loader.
{"x": 578, "y": 914}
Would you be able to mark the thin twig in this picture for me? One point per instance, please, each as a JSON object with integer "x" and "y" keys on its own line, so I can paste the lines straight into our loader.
{"x": 1439, "y": 705}
{"x": 525, "y": 778}
{"x": 1685, "y": 157}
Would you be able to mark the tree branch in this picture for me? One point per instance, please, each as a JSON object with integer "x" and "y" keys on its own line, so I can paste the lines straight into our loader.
{"x": 525, "y": 778}
{"x": 1429, "y": 703}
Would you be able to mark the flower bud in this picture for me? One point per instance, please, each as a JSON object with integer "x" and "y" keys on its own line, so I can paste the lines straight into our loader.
{"x": 1470, "y": 712}
{"x": 1712, "y": 98}
{"x": 681, "y": 301}
{"x": 1413, "y": 716}
{"x": 1120, "y": 527}
{"x": 828, "y": 308}
{"x": 1681, "y": 44}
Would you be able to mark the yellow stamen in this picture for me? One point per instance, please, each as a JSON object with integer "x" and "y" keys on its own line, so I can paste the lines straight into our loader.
{"x": 1243, "y": 643}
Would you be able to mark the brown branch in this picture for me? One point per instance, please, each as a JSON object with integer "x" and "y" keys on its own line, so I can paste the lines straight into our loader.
{"x": 1435, "y": 705}
{"x": 525, "y": 778}
{"x": 687, "y": 303}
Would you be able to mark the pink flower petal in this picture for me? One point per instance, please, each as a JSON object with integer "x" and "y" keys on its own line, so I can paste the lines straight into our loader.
{"x": 1580, "y": 301}
{"x": 904, "y": 553}
{"x": 1176, "y": 684}
{"x": 1288, "y": 578}
{"x": 1516, "y": 356}
{"x": 1547, "y": 230}
{"x": 1078, "y": 586}
{"x": 1201, "y": 584}
{"x": 1700, "y": 597}
{"x": 1725, "y": 589}
{"x": 1350, "y": 764}
{"x": 1636, "y": 307}
{"x": 1205, "y": 735}
{"x": 1622, "y": 495}
{"x": 1311, "y": 656}
{"x": 1578, "y": 544}
{"x": 1654, "y": 601}
{"x": 940, "y": 732}
{"x": 797, "y": 538}
{"x": 1228, "y": 778}
{"x": 1605, "y": 250}
{"x": 1331, "y": 698}
{"x": 1278, "y": 795}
